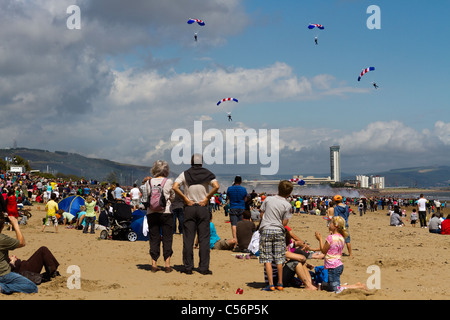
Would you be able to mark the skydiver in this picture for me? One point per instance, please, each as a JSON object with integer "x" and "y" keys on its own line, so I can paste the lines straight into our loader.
{"x": 229, "y": 116}
{"x": 195, "y": 37}
{"x": 375, "y": 85}
{"x": 316, "y": 40}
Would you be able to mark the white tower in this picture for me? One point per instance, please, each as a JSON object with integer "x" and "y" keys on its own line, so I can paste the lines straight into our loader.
{"x": 335, "y": 163}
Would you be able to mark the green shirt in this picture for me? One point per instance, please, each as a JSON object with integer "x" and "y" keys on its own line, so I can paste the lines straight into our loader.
{"x": 90, "y": 212}
{"x": 6, "y": 244}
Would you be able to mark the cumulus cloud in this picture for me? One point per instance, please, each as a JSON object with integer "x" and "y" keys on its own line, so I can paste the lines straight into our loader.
{"x": 100, "y": 91}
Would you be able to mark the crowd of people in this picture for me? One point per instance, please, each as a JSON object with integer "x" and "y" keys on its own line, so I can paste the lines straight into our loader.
{"x": 259, "y": 224}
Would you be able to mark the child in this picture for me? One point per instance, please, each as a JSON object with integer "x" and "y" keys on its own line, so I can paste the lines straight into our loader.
{"x": 275, "y": 215}
{"x": 332, "y": 248}
{"x": 52, "y": 208}
{"x": 90, "y": 216}
{"x": 414, "y": 217}
{"x": 80, "y": 218}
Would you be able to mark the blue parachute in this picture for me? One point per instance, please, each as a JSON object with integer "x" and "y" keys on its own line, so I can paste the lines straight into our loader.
{"x": 314, "y": 25}
{"x": 199, "y": 22}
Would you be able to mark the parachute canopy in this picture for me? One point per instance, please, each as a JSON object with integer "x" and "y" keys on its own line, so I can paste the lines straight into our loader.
{"x": 200, "y": 22}
{"x": 227, "y": 99}
{"x": 314, "y": 25}
{"x": 365, "y": 71}
{"x": 300, "y": 182}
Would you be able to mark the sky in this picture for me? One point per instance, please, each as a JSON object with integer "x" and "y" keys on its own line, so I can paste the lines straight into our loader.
{"x": 119, "y": 87}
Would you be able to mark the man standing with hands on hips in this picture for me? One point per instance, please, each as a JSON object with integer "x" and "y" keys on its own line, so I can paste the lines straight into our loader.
{"x": 197, "y": 182}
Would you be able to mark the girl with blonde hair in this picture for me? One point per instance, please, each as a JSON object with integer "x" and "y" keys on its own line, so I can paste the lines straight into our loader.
{"x": 332, "y": 248}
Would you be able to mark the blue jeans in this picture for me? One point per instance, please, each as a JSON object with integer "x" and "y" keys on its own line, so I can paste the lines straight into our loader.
{"x": 334, "y": 278}
{"x": 14, "y": 282}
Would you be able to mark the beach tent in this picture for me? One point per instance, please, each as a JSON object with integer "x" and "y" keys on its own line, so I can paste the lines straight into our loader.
{"x": 137, "y": 224}
{"x": 71, "y": 204}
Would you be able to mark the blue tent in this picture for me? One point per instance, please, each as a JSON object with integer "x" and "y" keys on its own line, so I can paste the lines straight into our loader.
{"x": 71, "y": 204}
{"x": 137, "y": 223}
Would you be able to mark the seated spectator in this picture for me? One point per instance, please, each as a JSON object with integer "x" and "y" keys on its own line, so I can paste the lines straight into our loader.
{"x": 244, "y": 231}
{"x": 396, "y": 219}
{"x": 445, "y": 226}
{"x": 434, "y": 226}
{"x": 42, "y": 258}
{"x": 215, "y": 242}
{"x": 11, "y": 282}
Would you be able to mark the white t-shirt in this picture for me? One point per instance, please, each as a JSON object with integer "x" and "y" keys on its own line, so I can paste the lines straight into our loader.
{"x": 134, "y": 193}
{"x": 422, "y": 203}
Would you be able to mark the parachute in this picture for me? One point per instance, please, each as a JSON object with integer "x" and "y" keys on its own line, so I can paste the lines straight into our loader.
{"x": 365, "y": 71}
{"x": 227, "y": 99}
{"x": 199, "y": 22}
{"x": 300, "y": 182}
{"x": 314, "y": 25}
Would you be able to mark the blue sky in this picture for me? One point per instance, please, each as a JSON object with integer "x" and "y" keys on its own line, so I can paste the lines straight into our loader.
{"x": 120, "y": 86}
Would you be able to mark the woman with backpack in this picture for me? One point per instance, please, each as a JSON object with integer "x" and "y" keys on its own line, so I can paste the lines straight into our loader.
{"x": 159, "y": 215}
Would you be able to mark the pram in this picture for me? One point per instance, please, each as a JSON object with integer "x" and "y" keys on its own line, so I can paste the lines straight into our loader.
{"x": 120, "y": 223}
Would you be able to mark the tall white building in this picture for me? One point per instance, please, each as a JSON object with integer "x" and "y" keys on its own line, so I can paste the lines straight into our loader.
{"x": 373, "y": 182}
{"x": 335, "y": 163}
{"x": 363, "y": 181}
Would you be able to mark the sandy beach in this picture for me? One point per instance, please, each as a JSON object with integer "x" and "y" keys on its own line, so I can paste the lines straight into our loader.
{"x": 412, "y": 263}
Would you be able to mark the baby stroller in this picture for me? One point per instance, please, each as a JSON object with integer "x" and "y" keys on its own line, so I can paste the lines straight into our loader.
{"x": 120, "y": 223}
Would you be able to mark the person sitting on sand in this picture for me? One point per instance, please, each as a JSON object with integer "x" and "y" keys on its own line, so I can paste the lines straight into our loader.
{"x": 11, "y": 282}
{"x": 42, "y": 258}
{"x": 434, "y": 226}
{"x": 244, "y": 231}
{"x": 80, "y": 218}
{"x": 445, "y": 226}
{"x": 215, "y": 242}
{"x": 396, "y": 219}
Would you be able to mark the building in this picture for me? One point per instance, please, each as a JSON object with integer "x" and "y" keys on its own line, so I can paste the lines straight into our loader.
{"x": 363, "y": 181}
{"x": 335, "y": 163}
{"x": 372, "y": 182}
{"x": 377, "y": 182}
{"x": 311, "y": 180}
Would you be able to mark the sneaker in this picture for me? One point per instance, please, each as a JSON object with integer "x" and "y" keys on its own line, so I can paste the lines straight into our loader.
{"x": 269, "y": 288}
{"x": 279, "y": 287}
{"x": 339, "y": 289}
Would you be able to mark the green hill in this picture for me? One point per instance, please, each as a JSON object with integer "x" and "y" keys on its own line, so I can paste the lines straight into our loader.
{"x": 421, "y": 177}
{"x": 78, "y": 165}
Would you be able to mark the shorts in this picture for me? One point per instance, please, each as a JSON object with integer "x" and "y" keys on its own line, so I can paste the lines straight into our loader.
{"x": 235, "y": 216}
{"x": 135, "y": 202}
{"x": 272, "y": 246}
{"x": 413, "y": 221}
{"x": 53, "y": 219}
{"x": 347, "y": 240}
{"x": 222, "y": 244}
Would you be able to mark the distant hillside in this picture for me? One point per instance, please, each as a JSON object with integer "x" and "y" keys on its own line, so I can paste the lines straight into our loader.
{"x": 72, "y": 163}
{"x": 421, "y": 177}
